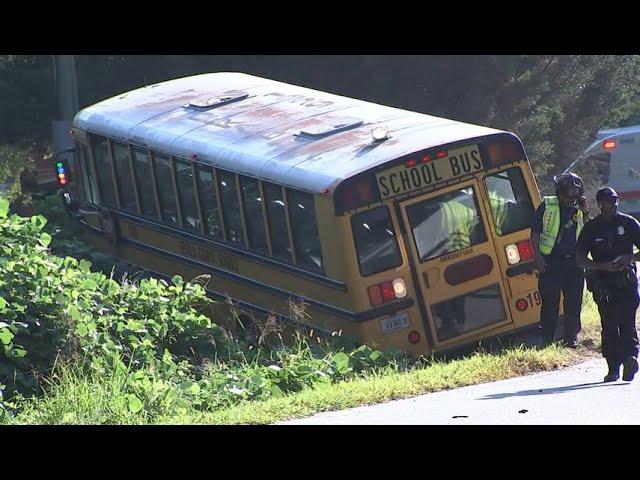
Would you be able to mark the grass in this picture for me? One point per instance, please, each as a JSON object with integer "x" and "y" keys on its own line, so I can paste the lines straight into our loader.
{"x": 74, "y": 397}
{"x": 390, "y": 384}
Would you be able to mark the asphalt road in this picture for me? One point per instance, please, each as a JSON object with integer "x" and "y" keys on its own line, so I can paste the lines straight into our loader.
{"x": 571, "y": 396}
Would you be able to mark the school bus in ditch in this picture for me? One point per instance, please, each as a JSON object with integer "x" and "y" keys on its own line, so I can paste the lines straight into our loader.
{"x": 397, "y": 228}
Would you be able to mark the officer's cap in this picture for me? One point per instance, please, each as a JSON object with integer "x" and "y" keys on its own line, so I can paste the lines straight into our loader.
{"x": 606, "y": 193}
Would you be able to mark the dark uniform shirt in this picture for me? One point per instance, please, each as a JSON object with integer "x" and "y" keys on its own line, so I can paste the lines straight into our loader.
{"x": 567, "y": 243}
{"x": 607, "y": 240}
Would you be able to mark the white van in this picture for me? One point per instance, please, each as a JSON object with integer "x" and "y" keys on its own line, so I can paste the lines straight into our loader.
{"x": 613, "y": 160}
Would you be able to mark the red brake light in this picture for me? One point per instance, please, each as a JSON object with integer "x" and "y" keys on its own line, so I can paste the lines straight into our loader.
{"x": 410, "y": 163}
{"x": 353, "y": 195}
{"x": 387, "y": 291}
{"x": 522, "y": 304}
{"x": 441, "y": 154}
{"x": 375, "y": 296}
{"x": 426, "y": 158}
{"x": 525, "y": 250}
{"x": 609, "y": 144}
{"x": 365, "y": 194}
{"x": 495, "y": 154}
{"x": 510, "y": 152}
{"x": 500, "y": 153}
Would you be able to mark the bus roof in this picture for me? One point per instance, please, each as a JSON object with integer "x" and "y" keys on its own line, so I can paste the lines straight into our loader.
{"x": 294, "y": 136}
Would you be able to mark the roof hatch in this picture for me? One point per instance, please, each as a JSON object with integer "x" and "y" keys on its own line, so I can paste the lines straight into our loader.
{"x": 326, "y": 129}
{"x": 214, "y": 101}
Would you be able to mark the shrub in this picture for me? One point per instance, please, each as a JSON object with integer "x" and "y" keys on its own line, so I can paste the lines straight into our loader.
{"x": 65, "y": 329}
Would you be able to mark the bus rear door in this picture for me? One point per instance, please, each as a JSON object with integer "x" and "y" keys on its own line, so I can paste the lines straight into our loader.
{"x": 456, "y": 265}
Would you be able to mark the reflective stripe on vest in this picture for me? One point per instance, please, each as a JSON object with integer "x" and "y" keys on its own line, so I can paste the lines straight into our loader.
{"x": 498, "y": 207}
{"x": 551, "y": 224}
{"x": 457, "y": 222}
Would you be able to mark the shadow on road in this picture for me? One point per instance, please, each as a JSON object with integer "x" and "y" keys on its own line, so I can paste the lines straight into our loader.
{"x": 545, "y": 391}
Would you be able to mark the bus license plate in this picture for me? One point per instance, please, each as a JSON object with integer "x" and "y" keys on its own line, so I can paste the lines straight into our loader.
{"x": 397, "y": 322}
{"x": 402, "y": 179}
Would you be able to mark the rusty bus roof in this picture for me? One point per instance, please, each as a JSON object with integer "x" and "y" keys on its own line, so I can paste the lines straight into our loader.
{"x": 252, "y": 125}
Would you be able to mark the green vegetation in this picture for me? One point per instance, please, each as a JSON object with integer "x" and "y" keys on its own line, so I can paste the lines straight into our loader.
{"x": 77, "y": 346}
{"x": 63, "y": 324}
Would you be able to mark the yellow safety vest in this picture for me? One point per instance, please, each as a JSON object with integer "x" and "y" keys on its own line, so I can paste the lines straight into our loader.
{"x": 551, "y": 224}
{"x": 458, "y": 223}
{"x": 498, "y": 207}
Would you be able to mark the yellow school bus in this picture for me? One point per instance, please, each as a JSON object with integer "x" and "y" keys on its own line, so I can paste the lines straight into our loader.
{"x": 397, "y": 228}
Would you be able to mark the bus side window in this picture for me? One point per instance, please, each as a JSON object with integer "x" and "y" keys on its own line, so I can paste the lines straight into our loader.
{"x": 164, "y": 182}
{"x": 103, "y": 171}
{"x": 184, "y": 179}
{"x": 142, "y": 169}
{"x": 253, "y": 214}
{"x": 509, "y": 201}
{"x": 230, "y": 207}
{"x": 276, "y": 211}
{"x": 209, "y": 202}
{"x": 87, "y": 178}
{"x": 376, "y": 242}
{"x": 305, "y": 230}
{"x": 123, "y": 174}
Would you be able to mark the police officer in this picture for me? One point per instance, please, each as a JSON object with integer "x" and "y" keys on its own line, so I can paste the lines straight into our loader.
{"x": 554, "y": 232}
{"x": 611, "y": 276}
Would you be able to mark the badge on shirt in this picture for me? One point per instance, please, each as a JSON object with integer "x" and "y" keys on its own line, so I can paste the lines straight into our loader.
{"x": 620, "y": 230}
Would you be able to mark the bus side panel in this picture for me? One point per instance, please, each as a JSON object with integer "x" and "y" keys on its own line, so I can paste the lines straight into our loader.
{"x": 391, "y": 330}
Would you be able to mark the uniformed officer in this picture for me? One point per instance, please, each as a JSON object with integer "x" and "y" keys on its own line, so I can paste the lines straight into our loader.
{"x": 611, "y": 277}
{"x": 554, "y": 232}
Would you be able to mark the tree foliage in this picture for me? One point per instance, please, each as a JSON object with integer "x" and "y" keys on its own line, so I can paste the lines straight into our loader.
{"x": 555, "y": 103}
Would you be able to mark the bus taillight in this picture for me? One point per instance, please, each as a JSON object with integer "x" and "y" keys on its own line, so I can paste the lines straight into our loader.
{"x": 503, "y": 152}
{"x": 609, "y": 144}
{"x": 520, "y": 252}
{"x": 386, "y": 288}
{"x": 354, "y": 194}
{"x": 386, "y": 291}
{"x": 62, "y": 173}
{"x": 525, "y": 250}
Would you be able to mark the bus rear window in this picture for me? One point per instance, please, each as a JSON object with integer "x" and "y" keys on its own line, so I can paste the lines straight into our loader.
{"x": 509, "y": 200}
{"x": 376, "y": 242}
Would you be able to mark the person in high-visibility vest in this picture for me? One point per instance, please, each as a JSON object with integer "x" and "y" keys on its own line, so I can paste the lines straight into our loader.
{"x": 499, "y": 209}
{"x": 458, "y": 221}
{"x": 557, "y": 224}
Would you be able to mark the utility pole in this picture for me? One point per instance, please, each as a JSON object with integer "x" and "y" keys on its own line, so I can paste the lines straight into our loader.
{"x": 66, "y": 91}
{"x": 64, "y": 67}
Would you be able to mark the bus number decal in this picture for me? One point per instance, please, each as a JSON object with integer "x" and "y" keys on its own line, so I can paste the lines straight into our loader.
{"x": 534, "y": 299}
